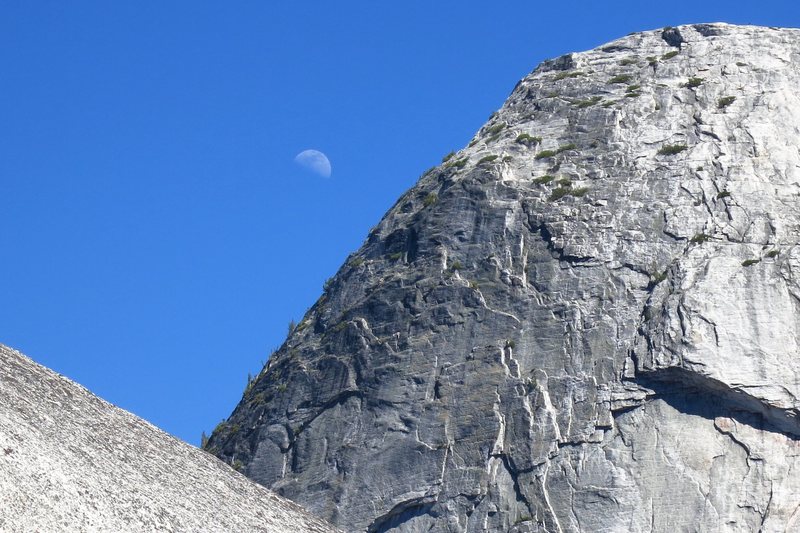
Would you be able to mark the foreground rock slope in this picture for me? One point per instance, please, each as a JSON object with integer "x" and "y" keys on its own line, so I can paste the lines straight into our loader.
{"x": 587, "y": 320}
{"x": 70, "y": 461}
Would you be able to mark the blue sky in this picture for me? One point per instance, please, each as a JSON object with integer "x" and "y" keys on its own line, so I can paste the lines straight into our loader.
{"x": 158, "y": 236}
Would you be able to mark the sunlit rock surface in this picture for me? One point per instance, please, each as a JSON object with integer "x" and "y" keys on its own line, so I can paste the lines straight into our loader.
{"x": 585, "y": 321}
{"x": 70, "y": 461}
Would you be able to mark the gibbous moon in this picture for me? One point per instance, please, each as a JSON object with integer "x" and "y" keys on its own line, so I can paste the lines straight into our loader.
{"x": 315, "y": 161}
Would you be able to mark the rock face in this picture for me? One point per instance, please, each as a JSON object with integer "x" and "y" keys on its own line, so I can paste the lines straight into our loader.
{"x": 587, "y": 320}
{"x": 71, "y": 462}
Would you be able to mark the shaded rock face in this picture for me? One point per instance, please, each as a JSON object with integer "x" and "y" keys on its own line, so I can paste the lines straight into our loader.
{"x": 587, "y": 320}
{"x": 71, "y": 462}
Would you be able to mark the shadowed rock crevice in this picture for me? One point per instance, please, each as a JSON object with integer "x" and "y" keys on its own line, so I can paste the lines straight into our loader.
{"x": 674, "y": 38}
{"x": 694, "y": 394}
{"x": 401, "y": 513}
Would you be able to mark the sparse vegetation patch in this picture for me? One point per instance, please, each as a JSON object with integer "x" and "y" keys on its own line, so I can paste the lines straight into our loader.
{"x": 558, "y": 193}
{"x": 560, "y": 149}
{"x": 694, "y": 82}
{"x": 526, "y": 138}
{"x": 564, "y": 75}
{"x": 589, "y": 102}
{"x": 672, "y": 149}
{"x": 658, "y": 277}
{"x": 633, "y": 91}
{"x": 430, "y": 199}
{"x": 497, "y": 128}
{"x": 620, "y": 78}
{"x": 457, "y": 163}
{"x": 566, "y": 147}
{"x": 725, "y": 101}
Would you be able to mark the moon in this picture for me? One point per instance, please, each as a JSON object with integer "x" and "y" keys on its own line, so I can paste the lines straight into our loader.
{"x": 315, "y": 161}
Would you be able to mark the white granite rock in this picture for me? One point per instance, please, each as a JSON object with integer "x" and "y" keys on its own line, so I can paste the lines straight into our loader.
{"x": 70, "y": 462}
{"x": 585, "y": 321}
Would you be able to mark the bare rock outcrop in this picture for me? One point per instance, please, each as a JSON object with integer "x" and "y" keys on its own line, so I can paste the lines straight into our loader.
{"x": 70, "y": 461}
{"x": 587, "y": 320}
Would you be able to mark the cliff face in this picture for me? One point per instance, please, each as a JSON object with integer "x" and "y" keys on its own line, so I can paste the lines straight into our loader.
{"x": 71, "y": 462}
{"x": 587, "y": 320}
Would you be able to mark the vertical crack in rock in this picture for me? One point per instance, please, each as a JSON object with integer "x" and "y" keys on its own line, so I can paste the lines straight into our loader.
{"x": 553, "y": 517}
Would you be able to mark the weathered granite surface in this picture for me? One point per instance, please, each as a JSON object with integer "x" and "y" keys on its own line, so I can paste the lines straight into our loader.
{"x": 587, "y": 320}
{"x": 71, "y": 462}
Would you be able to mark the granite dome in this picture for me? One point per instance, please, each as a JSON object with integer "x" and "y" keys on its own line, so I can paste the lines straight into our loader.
{"x": 586, "y": 320}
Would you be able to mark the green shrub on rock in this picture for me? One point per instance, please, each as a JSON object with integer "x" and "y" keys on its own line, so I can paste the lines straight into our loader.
{"x": 694, "y": 82}
{"x": 672, "y": 149}
{"x": 559, "y": 193}
{"x": 526, "y": 138}
{"x": 620, "y": 78}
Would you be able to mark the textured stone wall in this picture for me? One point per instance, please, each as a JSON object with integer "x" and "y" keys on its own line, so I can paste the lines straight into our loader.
{"x": 587, "y": 320}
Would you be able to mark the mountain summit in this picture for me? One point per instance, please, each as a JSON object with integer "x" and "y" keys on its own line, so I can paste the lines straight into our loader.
{"x": 587, "y": 320}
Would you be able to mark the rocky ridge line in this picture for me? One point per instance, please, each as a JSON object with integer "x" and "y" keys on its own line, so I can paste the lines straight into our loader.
{"x": 70, "y": 461}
